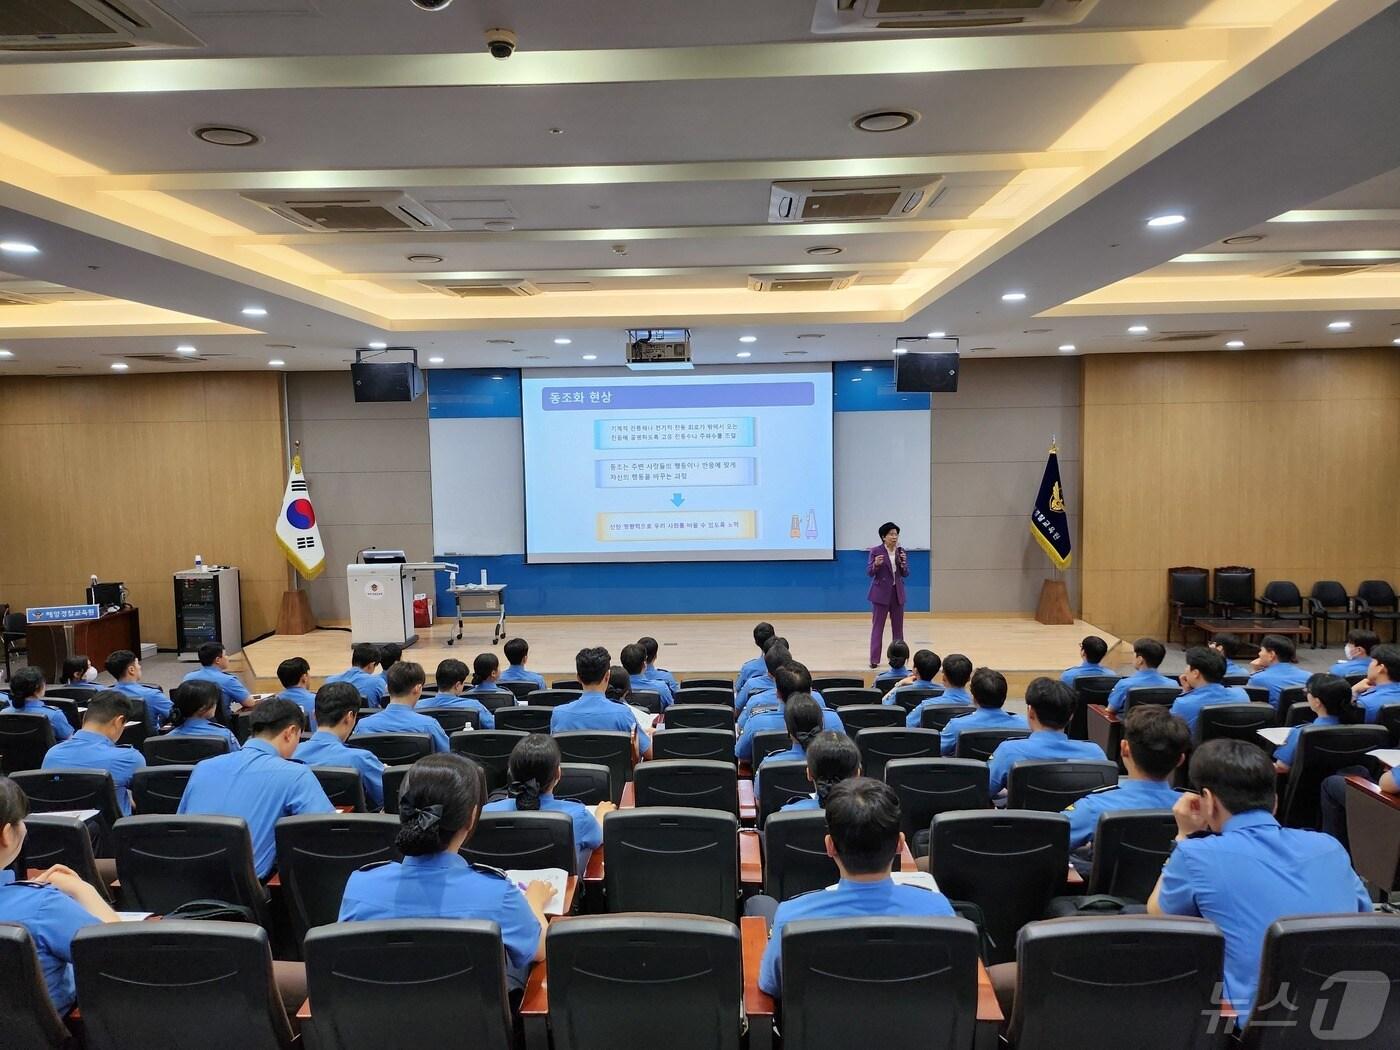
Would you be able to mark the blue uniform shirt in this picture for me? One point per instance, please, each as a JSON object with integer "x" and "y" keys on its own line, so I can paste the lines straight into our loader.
{"x": 1129, "y": 794}
{"x": 204, "y": 727}
{"x": 646, "y": 681}
{"x": 893, "y": 674}
{"x": 231, "y": 688}
{"x": 89, "y": 750}
{"x": 304, "y": 699}
{"x": 517, "y": 673}
{"x": 948, "y": 696}
{"x": 258, "y": 785}
{"x": 1085, "y": 670}
{"x": 1278, "y": 677}
{"x": 62, "y": 728}
{"x": 371, "y": 687}
{"x": 588, "y": 833}
{"x": 759, "y": 683}
{"x": 444, "y": 886}
{"x": 1188, "y": 705}
{"x": 1234, "y": 670}
{"x": 1147, "y": 678}
{"x": 981, "y": 718}
{"x": 1377, "y": 697}
{"x": 53, "y": 919}
{"x": 773, "y": 722}
{"x": 401, "y": 718}
{"x": 750, "y": 668}
{"x": 459, "y": 701}
{"x": 158, "y": 705}
{"x": 917, "y": 683}
{"x": 594, "y": 712}
{"x": 1042, "y": 745}
{"x": 768, "y": 701}
{"x": 1356, "y": 665}
{"x": 848, "y": 900}
{"x": 795, "y": 753}
{"x": 1252, "y": 874}
{"x": 651, "y": 671}
{"x": 799, "y": 805}
{"x": 1288, "y": 750}
{"x": 326, "y": 749}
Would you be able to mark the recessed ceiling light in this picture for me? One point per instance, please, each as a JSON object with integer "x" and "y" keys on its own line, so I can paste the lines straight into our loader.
{"x": 377, "y": 346}
{"x": 498, "y": 378}
{"x": 590, "y": 357}
{"x": 120, "y": 366}
{"x": 1067, "y": 348}
{"x": 882, "y": 120}
{"x": 1235, "y": 344}
{"x": 5, "y": 355}
{"x": 749, "y": 353}
{"x": 1137, "y": 329}
{"x": 498, "y": 226}
{"x": 1244, "y": 238}
{"x": 748, "y": 339}
{"x": 1159, "y": 221}
{"x": 224, "y": 135}
{"x": 254, "y": 311}
{"x": 563, "y": 340}
{"x": 501, "y": 342}
{"x": 18, "y": 248}
{"x": 435, "y": 360}
{"x": 276, "y": 362}
{"x": 1396, "y": 342}
{"x": 1013, "y": 297}
{"x": 867, "y": 368}
{"x": 425, "y": 258}
{"x": 1340, "y": 326}
{"x": 186, "y": 350}
{"x": 855, "y": 379}
{"x": 901, "y": 350}
{"x": 938, "y": 335}
{"x": 824, "y": 249}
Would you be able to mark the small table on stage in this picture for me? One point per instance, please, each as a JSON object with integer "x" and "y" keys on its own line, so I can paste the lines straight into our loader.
{"x": 1254, "y": 627}
{"x": 480, "y": 600}
{"x": 51, "y": 643}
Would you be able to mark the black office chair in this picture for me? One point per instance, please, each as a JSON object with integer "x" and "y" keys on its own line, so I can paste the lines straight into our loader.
{"x": 708, "y": 683}
{"x": 342, "y": 786}
{"x": 821, "y": 685}
{"x": 912, "y": 696}
{"x": 178, "y": 983}
{"x": 61, "y": 790}
{"x": 929, "y": 786}
{"x": 318, "y": 852}
{"x": 1135, "y": 980}
{"x": 1009, "y": 864}
{"x": 649, "y": 700}
{"x": 980, "y": 743}
{"x": 682, "y": 974}
{"x": 408, "y": 982}
{"x": 849, "y": 696}
{"x": 158, "y": 789}
{"x": 1378, "y": 600}
{"x": 1054, "y": 785}
{"x": 878, "y": 746}
{"x": 242, "y": 727}
{"x": 396, "y": 749}
{"x": 769, "y": 742}
{"x": 1088, "y": 689}
{"x": 524, "y": 839}
{"x": 1258, "y": 694}
{"x": 876, "y": 981}
{"x": 700, "y": 716}
{"x": 182, "y": 750}
{"x": 31, "y": 1023}
{"x": 526, "y": 719}
{"x": 572, "y": 684}
{"x": 519, "y": 690}
{"x": 554, "y": 697}
{"x": 56, "y": 839}
{"x": 135, "y": 733}
{"x": 937, "y": 716}
{"x": 691, "y": 784}
{"x": 1294, "y": 710}
{"x": 488, "y": 748}
{"x": 1329, "y": 603}
{"x": 1160, "y": 695}
{"x": 1322, "y": 751}
{"x": 715, "y": 745}
{"x": 1235, "y": 722}
{"x": 1130, "y": 848}
{"x": 24, "y": 740}
{"x": 583, "y": 782}
{"x": 454, "y": 719}
{"x": 707, "y": 694}
{"x": 1389, "y": 717}
{"x": 1327, "y": 980}
{"x": 393, "y": 784}
{"x": 1233, "y": 590}
{"x": 1282, "y": 600}
{"x": 68, "y": 705}
{"x": 858, "y": 717}
{"x": 780, "y": 783}
{"x": 672, "y": 860}
{"x": 166, "y": 861}
{"x": 795, "y": 860}
{"x": 884, "y": 685}
{"x": 613, "y": 750}
{"x": 1188, "y": 598}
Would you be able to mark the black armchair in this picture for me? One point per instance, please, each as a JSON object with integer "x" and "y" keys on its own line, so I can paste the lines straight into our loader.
{"x": 1188, "y": 597}
{"x": 1377, "y": 599}
{"x": 1234, "y": 590}
{"x": 1329, "y": 603}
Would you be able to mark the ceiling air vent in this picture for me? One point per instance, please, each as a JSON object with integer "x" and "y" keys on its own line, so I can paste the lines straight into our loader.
{"x": 923, "y": 16}
{"x": 1194, "y": 337}
{"x": 1323, "y": 268}
{"x": 783, "y": 282}
{"x": 387, "y": 212}
{"x": 837, "y": 200}
{"x": 88, "y": 25}
{"x": 482, "y": 289}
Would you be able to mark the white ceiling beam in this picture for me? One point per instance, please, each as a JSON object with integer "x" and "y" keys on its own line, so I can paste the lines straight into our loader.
{"x": 566, "y": 275}
{"x": 1339, "y": 215}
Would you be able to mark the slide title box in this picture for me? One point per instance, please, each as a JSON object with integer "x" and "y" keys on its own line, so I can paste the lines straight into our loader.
{"x": 588, "y": 397}
{"x": 677, "y": 526}
{"x": 656, "y": 472}
{"x": 737, "y": 432}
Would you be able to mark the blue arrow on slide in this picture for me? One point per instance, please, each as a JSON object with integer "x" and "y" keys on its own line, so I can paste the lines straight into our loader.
{"x": 677, "y": 499}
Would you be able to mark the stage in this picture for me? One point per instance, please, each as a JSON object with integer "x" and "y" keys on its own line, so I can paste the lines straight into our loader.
{"x": 712, "y": 646}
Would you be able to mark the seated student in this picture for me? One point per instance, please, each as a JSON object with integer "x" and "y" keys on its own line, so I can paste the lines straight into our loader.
{"x": 337, "y": 711}
{"x": 1202, "y": 686}
{"x": 405, "y": 681}
{"x": 213, "y": 667}
{"x": 803, "y": 718}
{"x": 770, "y": 702}
{"x": 1234, "y": 865}
{"x": 125, "y": 666}
{"x": 95, "y": 745}
{"x": 1381, "y": 685}
{"x": 988, "y": 698}
{"x": 78, "y": 672}
{"x": 1229, "y": 646}
{"x": 1092, "y": 650}
{"x": 486, "y": 672}
{"x": 517, "y": 651}
{"x": 651, "y": 647}
{"x": 762, "y": 683}
{"x": 534, "y": 772}
{"x": 439, "y": 805}
{"x": 1153, "y": 746}
{"x": 451, "y": 678}
{"x": 27, "y": 698}
{"x": 926, "y": 667}
{"x": 762, "y": 632}
{"x": 619, "y": 691}
{"x": 196, "y": 704}
{"x": 593, "y": 710}
{"x": 634, "y": 661}
{"x": 863, "y": 838}
{"x": 1356, "y": 654}
{"x": 390, "y": 653}
{"x": 53, "y": 906}
{"x": 364, "y": 660}
{"x": 1332, "y": 701}
{"x": 957, "y": 670}
{"x": 295, "y": 675}
{"x": 831, "y": 758}
{"x": 1274, "y": 667}
{"x": 793, "y": 679}
{"x": 898, "y": 656}
{"x": 1049, "y": 707}
{"x": 1148, "y": 654}
{"x": 260, "y": 783}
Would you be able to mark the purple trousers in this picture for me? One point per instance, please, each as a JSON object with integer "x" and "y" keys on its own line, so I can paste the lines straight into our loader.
{"x": 878, "y": 613}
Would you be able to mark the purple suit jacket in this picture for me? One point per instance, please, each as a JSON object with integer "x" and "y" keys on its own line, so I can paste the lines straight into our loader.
{"x": 886, "y": 584}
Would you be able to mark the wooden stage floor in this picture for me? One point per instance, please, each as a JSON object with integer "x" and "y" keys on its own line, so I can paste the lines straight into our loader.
{"x": 705, "y": 646}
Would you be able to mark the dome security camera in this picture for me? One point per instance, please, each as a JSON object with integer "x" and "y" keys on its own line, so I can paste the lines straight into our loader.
{"x": 501, "y": 43}
{"x": 431, "y": 5}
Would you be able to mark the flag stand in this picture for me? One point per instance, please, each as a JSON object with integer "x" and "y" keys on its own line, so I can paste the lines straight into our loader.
{"x": 1053, "y": 607}
{"x": 1050, "y": 529}
{"x": 295, "y": 615}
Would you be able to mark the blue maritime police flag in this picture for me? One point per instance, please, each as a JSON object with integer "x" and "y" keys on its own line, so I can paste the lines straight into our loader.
{"x": 1049, "y": 523}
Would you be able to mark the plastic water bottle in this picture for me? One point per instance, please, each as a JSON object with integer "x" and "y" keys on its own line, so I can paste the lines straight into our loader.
{"x": 199, "y": 563}
{"x": 483, "y": 577}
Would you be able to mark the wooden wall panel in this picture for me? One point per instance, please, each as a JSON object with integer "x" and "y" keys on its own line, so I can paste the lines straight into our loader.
{"x": 183, "y": 464}
{"x": 1282, "y": 460}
